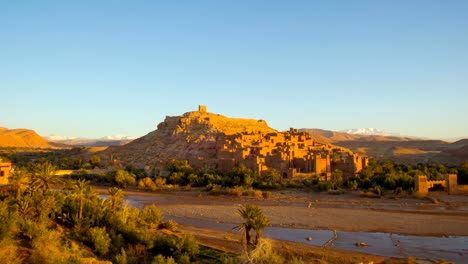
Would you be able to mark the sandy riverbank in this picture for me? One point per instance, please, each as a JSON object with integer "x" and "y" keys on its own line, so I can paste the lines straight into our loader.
{"x": 347, "y": 212}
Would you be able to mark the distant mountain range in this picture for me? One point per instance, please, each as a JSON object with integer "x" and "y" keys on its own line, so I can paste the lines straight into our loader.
{"x": 400, "y": 149}
{"x": 115, "y": 140}
{"x": 370, "y": 132}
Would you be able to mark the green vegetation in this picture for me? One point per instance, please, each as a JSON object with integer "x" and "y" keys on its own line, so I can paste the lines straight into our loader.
{"x": 38, "y": 225}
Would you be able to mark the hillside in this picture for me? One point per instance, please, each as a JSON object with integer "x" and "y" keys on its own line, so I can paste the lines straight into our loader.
{"x": 400, "y": 149}
{"x": 214, "y": 141}
{"x": 24, "y": 138}
{"x": 192, "y": 136}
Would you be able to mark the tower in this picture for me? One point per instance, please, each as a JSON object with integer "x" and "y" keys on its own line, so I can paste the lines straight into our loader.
{"x": 202, "y": 108}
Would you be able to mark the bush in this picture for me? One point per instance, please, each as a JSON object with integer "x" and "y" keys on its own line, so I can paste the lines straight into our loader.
{"x": 250, "y": 192}
{"x": 121, "y": 258}
{"x": 398, "y": 191}
{"x": 236, "y": 191}
{"x": 378, "y": 190}
{"x": 324, "y": 186}
{"x": 310, "y": 182}
{"x": 263, "y": 253}
{"x": 352, "y": 185}
{"x": 169, "y": 225}
{"x": 124, "y": 178}
{"x": 188, "y": 246}
{"x": 160, "y": 182}
{"x": 266, "y": 194}
{"x": 151, "y": 215}
{"x": 160, "y": 259}
{"x": 99, "y": 240}
{"x": 215, "y": 189}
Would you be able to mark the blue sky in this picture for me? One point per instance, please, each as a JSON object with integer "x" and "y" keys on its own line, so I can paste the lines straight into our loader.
{"x": 98, "y": 68}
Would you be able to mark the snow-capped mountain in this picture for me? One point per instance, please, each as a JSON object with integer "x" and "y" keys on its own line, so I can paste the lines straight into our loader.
{"x": 65, "y": 138}
{"x": 59, "y": 138}
{"x": 91, "y": 142}
{"x": 370, "y": 131}
{"x": 119, "y": 137}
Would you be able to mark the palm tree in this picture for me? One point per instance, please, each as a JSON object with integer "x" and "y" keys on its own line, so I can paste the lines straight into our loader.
{"x": 25, "y": 208}
{"x": 44, "y": 175}
{"x": 100, "y": 208}
{"x": 249, "y": 213}
{"x": 81, "y": 187}
{"x": 258, "y": 224}
{"x": 19, "y": 179}
{"x": 116, "y": 197}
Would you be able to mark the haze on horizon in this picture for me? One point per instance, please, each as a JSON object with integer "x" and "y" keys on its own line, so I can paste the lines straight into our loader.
{"x": 100, "y": 68}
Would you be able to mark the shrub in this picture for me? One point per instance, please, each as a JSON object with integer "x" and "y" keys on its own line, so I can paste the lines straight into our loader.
{"x": 141, "y": 184}
{"x": 310, "y": 182}
{"x": 160, "y": 182}
{"x": 151, "y": 215}
{"x": 188, "y": 246}
{"x": 378, "y": 190}
{"x": 266, "y": 194}
{"x": 215, "y": 189}
{"x": 99, "y": 240}
{"x": 160, "y": 259}
{"x": 236, "y": 191}
{"x": 250, "y": 192}
{"x": 121, "y": 258}
{"x": 352, "y": 185}
{"x": 398, "y": 191}
{"x": 124, "y": 178}
{"x": 324, "y": 186}
{"x": 263, "y": 253}
{"x": 169, "y": 225}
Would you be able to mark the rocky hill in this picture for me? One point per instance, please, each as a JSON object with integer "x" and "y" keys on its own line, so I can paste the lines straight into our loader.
{"x": 222, "y": 143}
{"x": 192, "y": 136}
{"x": 24, "y": 138}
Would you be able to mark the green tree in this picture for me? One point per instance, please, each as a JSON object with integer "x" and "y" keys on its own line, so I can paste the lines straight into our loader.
{"x": 253, "y": 219}
{"x": 336, "y": 178}
{"x": 124, "y": 178}
{"x": 44, "y": 175}
{"x": 95, "y": 161}
{"x": 180, "y": 166}
{"x": 274, "y": 176}
{"x": 25, "y": 208}
{"x": 80, "y": 187}
{"x": 99, "y": 240}
{"x": 116, "y": 197}
{"x": 258, "y": 224}
{"x": 20, "y": 180}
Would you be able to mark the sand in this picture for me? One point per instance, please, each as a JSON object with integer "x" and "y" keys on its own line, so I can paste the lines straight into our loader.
{"x": 349, "y": 212}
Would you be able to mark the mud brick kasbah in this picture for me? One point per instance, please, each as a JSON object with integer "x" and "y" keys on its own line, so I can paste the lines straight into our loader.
{"x": 212, "y": 140}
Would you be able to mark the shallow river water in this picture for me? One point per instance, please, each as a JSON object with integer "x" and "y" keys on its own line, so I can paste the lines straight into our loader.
{"x": 451, "y": 248}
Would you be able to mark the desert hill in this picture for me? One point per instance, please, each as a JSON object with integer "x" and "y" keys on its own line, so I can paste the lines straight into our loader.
{"x": 399, "y": 149}
{"x": 24, "y": 138}
{"x": 191, "y": 136}
{"x": 222, "y": 143}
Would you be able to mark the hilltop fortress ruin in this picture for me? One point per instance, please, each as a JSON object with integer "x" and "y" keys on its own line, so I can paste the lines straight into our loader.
{"x": 222, "y": 143}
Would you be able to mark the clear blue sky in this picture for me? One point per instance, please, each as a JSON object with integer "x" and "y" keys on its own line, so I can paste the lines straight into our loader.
{"x": 98, "y": 68}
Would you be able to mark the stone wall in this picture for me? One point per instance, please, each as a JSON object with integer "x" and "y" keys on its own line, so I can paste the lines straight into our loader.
{"x": 5, "y": 169}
